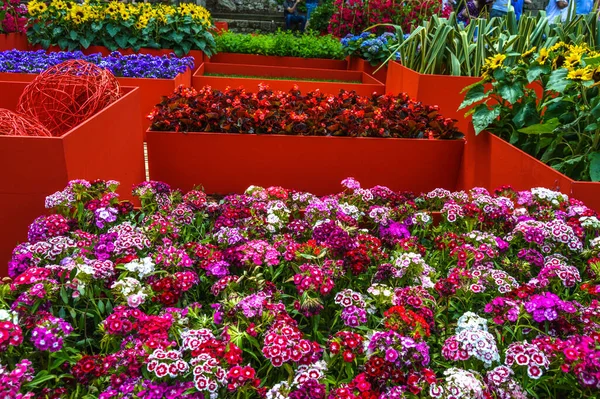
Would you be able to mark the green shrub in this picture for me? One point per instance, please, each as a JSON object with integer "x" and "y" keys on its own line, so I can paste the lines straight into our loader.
{"x": 319, "y": 18}
{"x": 282, "y": 43}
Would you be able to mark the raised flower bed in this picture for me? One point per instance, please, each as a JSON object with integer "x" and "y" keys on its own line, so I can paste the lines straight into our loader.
{"x": 555, "y": 124}
{"x": 114, "y": 25}
{"x": 227, "y": 141}
{"x": 283, "y": 49}
{"x": 275, "y": 293}
{"x": 155, "y": 76}
{"x": 107, "y": 146}
{"x": 13, "y": 25}
{"x": 222, "y": 76}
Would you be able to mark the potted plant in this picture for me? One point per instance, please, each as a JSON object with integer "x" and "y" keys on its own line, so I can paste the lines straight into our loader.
{"x": 228, "y": 140}
{"x": 558, "y": 128}
{"x": 13, "y": 25}
{"x": 283, "y": 49}
{"x": 120, "y": 26}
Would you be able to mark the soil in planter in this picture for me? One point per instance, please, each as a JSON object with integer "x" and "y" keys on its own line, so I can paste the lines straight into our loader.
{"x": 224, "y": 75}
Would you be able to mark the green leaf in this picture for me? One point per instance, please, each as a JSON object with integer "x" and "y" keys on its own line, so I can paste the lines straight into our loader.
{"x": 558, "y": 80}
{"x": 594, "y": 159}
{"x": 542, "y": 128}
{"x": 484, "y": 116}
{"x": 63, "y": 295}
{"x": 63, "y": 43}
{"x": 122, "y": 41}
{"x": 112, "y": 30}
{"x": 57, "y": 31}
{"x": 85, "y": 43}
{"x": 475, "y": 94}
{"x": 527, "y": 115}
{"x": 510, "y": 92}
{"x": 73, "y": 35}
{"x": 534, "y": 72}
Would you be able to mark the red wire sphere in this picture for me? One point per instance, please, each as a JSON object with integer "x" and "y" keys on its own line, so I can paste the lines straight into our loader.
{"x": 13, "y": 124}
{"x": 67, "y": 94}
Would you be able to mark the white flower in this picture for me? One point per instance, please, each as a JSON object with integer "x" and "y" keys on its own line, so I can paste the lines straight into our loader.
{"x": 471, "y": 321}
{"x": 142, "y": 267}
{"x": 9, "y": 315}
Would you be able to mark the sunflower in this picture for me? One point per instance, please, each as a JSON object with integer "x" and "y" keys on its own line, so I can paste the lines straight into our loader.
{"x": 495, "y": 61}
{"x": 581, "y": 74}
{"x": 37, "y": 8}
{"x": 557, "y": 46}
{"x": 542, "y": 56}
{"x": 58, "y": 4}
{"x": 529, "y": 52}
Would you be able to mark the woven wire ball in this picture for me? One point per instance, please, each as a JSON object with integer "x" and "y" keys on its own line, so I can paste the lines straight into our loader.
{"x": 13, "y": 124}
{"x": 67, "y": 94}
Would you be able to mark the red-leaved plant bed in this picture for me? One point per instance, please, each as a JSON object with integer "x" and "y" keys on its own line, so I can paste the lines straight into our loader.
{"x": 293, "y": 113}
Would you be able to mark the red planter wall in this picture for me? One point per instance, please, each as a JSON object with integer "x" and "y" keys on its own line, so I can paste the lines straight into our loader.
{"x": 11, "y": 41}
{"x": 269, "y": 60}
{"x": 367, "y": 86}
{"x": 227, "y": 163}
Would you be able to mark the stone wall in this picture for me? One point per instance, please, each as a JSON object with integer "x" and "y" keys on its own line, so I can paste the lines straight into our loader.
{"x": 258, "y": 7}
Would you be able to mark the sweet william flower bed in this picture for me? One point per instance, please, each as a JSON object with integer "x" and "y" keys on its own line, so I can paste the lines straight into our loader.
{"x": 282, "y": 294}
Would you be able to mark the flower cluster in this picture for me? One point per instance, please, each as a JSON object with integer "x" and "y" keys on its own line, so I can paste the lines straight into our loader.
{"x": 13, "y": 16}
{"x": 292, "y": 113}
{"x": 365, "y": 294}
{"x": 129, "y": 66}
{"x": 70, "y": 24}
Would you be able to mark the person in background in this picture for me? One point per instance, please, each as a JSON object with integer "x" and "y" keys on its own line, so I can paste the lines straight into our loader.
{"x": 290, "y": 11}
{"x": 557, "y": 8}
{"x": 310, "y": 7}
{"x": 583, "y": 6}
{"x": 518, "y": 6}
{"x": 469, "y": 10}
{"x": 500, "y": 8}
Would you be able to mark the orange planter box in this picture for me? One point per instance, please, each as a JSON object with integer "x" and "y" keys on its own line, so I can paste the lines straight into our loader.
{"x": 11, "y": 41}
{"x": 359, "y": 64}
{"x": 229, "y": 163}
{"x": 500, "y": 163}
{"x": 107, "y": 146}
{"x": 441, "y": 90}
{"x": 270, "y": 60}
{"x": 151, "y": 90}
{"x": 197, "y": 54}
{"x": 367, "y": 87}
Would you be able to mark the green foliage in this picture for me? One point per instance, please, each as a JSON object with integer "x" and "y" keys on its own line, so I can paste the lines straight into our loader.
{"x": 559, "y": 128}
{"x": 446, "y": 47}
{"x": 282, "y": 43}
{"x": 319, "y": 18}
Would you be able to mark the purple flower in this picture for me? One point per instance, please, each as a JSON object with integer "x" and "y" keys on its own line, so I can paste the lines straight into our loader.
{"x": 105, "y": 215}
{"x": 394, "y": 231}
{"x": 131, "y": 66}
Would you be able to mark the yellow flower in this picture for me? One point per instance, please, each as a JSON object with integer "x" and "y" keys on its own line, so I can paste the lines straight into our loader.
{"x": 581, "y": 74}
{"x": 58, "y": 4}
{"x": 573, "y": 58}
{"x": 542, "y": 56}
{"x": 495, "y": 61}
{"x": 557, "y": 46}
{"x": 36, "y": 8}
{"x": 529, "y": 52}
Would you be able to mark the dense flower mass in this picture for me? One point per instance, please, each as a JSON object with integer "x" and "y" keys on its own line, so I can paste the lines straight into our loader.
{"x": 366, "y": 294}
{"x": 13, "y": 16}
{"x": 130, "y": 66}
{"x": 71, "y": 24}
{"x": 294, "y": 113}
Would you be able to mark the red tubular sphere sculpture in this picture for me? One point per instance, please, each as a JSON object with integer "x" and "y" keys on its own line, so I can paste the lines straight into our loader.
{"x": 13, "y": 124}
{"x": 67, "y": 94}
